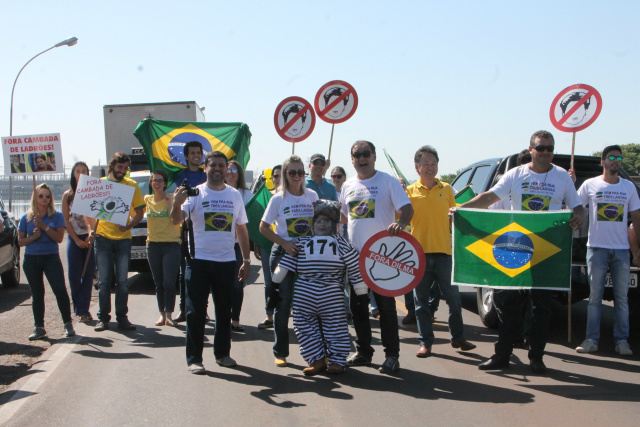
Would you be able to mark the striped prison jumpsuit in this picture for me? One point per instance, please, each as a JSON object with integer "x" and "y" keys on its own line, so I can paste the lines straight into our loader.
{"x": 319, "y": 317}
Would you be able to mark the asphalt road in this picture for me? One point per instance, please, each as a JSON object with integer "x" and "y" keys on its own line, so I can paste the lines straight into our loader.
{"x": 140, "y": 378}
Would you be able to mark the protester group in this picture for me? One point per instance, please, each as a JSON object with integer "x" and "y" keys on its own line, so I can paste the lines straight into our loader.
{"x": 198, "y": 237}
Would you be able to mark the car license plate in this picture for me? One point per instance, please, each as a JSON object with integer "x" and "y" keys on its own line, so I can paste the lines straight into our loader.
{"x": 633, "y": 281}
{"x": 138, "y": 254}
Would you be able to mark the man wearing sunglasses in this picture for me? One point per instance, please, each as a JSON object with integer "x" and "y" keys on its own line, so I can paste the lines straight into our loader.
{"x": 535, "y": 186}
{"x": 370, "y": 201}
{"x": 316, "y": 180}
{"x": 611, "y": 200}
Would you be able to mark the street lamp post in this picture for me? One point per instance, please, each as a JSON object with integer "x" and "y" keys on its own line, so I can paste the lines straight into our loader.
{"x": 68, "y": 42}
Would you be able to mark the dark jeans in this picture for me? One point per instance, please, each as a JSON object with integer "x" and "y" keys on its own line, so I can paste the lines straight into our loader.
{"x": 265, "y": 258}
{"x": 164, "y": 261}
{"x": 388, "y": 324}
{"x": 181, "y": 282}
{"x": 34, "y": 267}
{"x": 237, "y": 295}
{"x": 201, "y": 277}
{"x": 80, "y": 285}
{"x": 281, "y": 313}
{"x": 509, "y": 305}
{"x": 110, "y": 253}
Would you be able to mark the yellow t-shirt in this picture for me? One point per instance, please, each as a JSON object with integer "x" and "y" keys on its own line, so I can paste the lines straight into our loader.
{"x": 159, "y": 226}
{"x": 430, "y": 222}
{"x": 110, "y": 230}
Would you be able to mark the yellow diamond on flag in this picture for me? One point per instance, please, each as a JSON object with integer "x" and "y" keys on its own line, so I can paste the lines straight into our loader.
{"x": 512, "y": 249}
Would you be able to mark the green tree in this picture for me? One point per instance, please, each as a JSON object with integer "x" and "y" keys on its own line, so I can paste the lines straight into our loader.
{"x": 631, "y": 161}
{"x": 449, "y": 177}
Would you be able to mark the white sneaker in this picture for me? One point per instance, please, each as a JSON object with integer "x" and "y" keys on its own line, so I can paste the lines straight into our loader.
{"x": 623, "y": 349}
{"x": 69, "y": 331}
{"x": 196, "y": 368}
{"x": 587, "y": 346}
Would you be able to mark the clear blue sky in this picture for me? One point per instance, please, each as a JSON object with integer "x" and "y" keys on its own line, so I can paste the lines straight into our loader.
{"x": 472, "y": 78}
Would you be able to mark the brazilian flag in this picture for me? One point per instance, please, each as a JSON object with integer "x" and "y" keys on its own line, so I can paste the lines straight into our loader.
{"x": 359, "y": 209}
{"x": 163, "y": 142}
{"x": 395, "y": 167}
{"x": 610, "y": 212}
{"x": 255, "y": 210}
{"x": 512, "y": 249}
{"x": 464, "y": 195}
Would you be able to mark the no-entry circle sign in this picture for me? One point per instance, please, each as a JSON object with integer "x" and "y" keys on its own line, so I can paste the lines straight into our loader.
{"x": 336, "y": 102}
{"x": 294, "y": 119}
{"x": 392, "y": 265}
{"x": 575, "y": 108}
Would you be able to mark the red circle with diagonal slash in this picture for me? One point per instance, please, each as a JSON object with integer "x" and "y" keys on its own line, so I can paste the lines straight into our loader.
{"x": 392, "y": 265}
{"x": 585, "y": 96}
{"x": 337, "y": 110}
{"x": 300, "y": 119}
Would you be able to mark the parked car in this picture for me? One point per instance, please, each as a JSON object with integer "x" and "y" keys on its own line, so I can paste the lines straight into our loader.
{"x": 481, "y": 176}
{"x": 9, "y": 250}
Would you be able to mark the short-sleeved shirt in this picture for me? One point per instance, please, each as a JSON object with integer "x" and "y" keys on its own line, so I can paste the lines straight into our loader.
{"x": 111, "y": 230}
{"x": 532, "y": 191}
{"x": 293, "y": 215}
{"x": 430, "y": 222}
{"x": 194, "y": 178}
{"x": 370, "y": 205}
{"x": 215, "y": 215}
{"x": 159, "y": 225}
{"x": 325, "y": 189}
{"x": 45, "y": 245}
{"x": 609, "y": 206}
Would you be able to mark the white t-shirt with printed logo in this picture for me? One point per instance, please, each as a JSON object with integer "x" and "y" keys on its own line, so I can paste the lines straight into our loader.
{"x": 293, "y": 215}
{"x": 215, "y": 215}
{"x": 609, "y": 206}
{"x": 532, "y": 191}
{"x": 370, "y": 205}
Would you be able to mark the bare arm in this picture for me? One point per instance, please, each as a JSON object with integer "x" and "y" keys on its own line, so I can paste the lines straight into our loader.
{"x": 406, "y": 213}
{"x": 243, "y": 242}
{"x": 577, "y": 217}
{"x": 267, "y": 232}
{"x": 66, "y": 212}
{"x": 177, "y": 215}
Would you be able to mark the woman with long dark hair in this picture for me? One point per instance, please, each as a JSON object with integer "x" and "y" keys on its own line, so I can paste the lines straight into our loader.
{"x": 78, "y": 248}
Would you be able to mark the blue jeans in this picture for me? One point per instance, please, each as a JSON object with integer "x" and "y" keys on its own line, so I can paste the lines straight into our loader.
{"x": 281, "y": 313}
{"x": 81, "y": 286}
{"x": 265, "y": 258}
{"x": 599, "y": 261}
{"x": 110, "y": 253}
{"x": 438, "y": 268}
{"x": 164, "y": 261}
{"x": 34, "y": 267}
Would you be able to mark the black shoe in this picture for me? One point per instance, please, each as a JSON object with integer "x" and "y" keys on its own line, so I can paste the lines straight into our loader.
{"x": 537, "y": 366}
{"x": 125, "y": 325}
{"x": 238, "y": 328}
{"x": 358, "y": 360}
{"x": 494, "y": 362}
{"x": 390, "y": 365}
{"x": 410, "y": 318}
{"x": 101, "y": 326}
{"x": 181, "y": 318}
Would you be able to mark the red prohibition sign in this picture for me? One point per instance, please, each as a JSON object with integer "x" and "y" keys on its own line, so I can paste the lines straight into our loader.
{"x": 294, "y": 119}
{"x": 342, "y": 98}
{"x": 392, "y": 265}
{"x": 575, "y": 108}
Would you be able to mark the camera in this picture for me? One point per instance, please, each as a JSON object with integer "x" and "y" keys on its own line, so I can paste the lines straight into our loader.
{"x": 191, "y": 192}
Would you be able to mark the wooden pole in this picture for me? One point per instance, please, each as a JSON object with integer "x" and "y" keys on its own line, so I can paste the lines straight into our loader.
{"x": 34, "y": 183}
{"x": 293, "y": 148}
{"x": 86, "y": 261}
{"x": 573, "y": 147}
{"x": 331, "y": 141}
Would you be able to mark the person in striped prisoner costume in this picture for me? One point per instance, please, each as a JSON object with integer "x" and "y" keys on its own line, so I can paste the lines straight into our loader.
{"x": 319, "y": 317}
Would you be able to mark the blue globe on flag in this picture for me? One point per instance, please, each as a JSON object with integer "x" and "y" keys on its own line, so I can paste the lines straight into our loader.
{"x": 176, "y": 146}
{"x": 513, "y": 249}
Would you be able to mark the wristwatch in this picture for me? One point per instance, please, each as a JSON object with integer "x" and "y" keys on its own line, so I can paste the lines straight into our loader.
{"x": 47, "y": 228}
{"x": 247, "y": 260}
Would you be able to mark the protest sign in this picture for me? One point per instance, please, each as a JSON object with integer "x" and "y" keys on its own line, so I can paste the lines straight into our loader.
{"x": 103, "y": 200}
{"x": 32, "y": 154}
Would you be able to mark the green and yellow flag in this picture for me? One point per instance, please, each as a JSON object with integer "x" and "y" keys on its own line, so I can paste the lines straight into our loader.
{"x": 255, "y": 209}
{"x": 464, "y": 195}
{"x": 395, "y": 167}
{"x": 512, "y": 249}
{"x": 163, "y": 142}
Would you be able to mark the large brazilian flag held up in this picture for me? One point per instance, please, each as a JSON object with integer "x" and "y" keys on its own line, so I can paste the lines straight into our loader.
{"x": 512, "y": 249}
{"x": 163, "y": 142}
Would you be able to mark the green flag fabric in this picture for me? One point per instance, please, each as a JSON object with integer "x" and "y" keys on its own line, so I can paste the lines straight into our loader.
{"x": 512, "y": 249}
{"x": 464, "y": 195}
{"x": 395, "y": 167}
{"x": 255, "y": 209}
{"x": 163, "y": 142}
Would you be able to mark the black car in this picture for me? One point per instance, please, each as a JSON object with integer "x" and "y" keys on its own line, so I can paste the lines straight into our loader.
{"x": 9, "y": 251}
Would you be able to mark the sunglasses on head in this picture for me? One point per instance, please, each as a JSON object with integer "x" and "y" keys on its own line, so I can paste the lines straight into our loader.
{"x": 542, "y": 148}
{"x": 358, "y": 154}
{"x": 48, "y": 196}
{"x": 616, "y": 158}
{"x": 337, "y": 176}
{"x": 319, "y": 162}
{"x": 299, "y": 172}
{"x": 232, "y": 170}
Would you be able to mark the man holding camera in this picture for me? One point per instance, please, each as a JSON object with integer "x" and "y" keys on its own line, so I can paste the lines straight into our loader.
{"x": 217, "y": 212}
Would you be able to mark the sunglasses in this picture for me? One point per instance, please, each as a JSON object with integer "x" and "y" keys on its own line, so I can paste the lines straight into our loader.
{"x": 319, "y": 162}
{"x": 48, "y": 196}
{"x": 232, "y": 170}
{"x": 616, "y": 158}
{"x": 337, "y": 176}
{"x": 542, "y": 148}
{"x": 275, "y": 176}
{"x": 299, "y": 172}
{"x": 358, "y": 154}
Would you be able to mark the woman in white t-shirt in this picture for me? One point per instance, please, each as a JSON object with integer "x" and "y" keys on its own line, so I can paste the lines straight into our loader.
{"x": 292, "y": 211}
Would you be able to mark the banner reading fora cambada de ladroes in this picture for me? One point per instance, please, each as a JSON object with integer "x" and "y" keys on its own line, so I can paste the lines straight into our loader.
{"x": 32, "y": 154}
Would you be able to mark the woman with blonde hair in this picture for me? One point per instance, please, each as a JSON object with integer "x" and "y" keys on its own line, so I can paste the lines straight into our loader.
{"x": 41, "y": 231}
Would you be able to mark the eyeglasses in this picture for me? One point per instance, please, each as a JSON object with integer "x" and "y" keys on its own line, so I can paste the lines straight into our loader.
{"x": 275, "y": 176}
{"x": 616, "y": 158}
{"x": 337, "y": 176}
{"x": 48, "y": 196}
{"x": 542, "y": 148}
{"x": 319, "y": 162}
{"x": 358, "y": 154}
{"x": 299, "y": 172}
{"x": 232, "y": 170}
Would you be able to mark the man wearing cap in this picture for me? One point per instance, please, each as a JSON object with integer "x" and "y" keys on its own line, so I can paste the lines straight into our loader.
{"x": 316, "y": 180}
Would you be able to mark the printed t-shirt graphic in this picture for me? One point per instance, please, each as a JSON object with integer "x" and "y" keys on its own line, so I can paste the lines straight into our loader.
{"x": 293, "y": 215}
{"x": 535, "y": 202}
{"x": 359, "y": 209}
{"x": 610, "y": 212}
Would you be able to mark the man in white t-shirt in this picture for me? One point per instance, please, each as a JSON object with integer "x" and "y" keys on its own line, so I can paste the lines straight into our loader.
{"x": 218, "y": 215}
{"x": 536, "y": 186}
{"x": 370, "y": 201}
{"x": 611, "y": 200}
